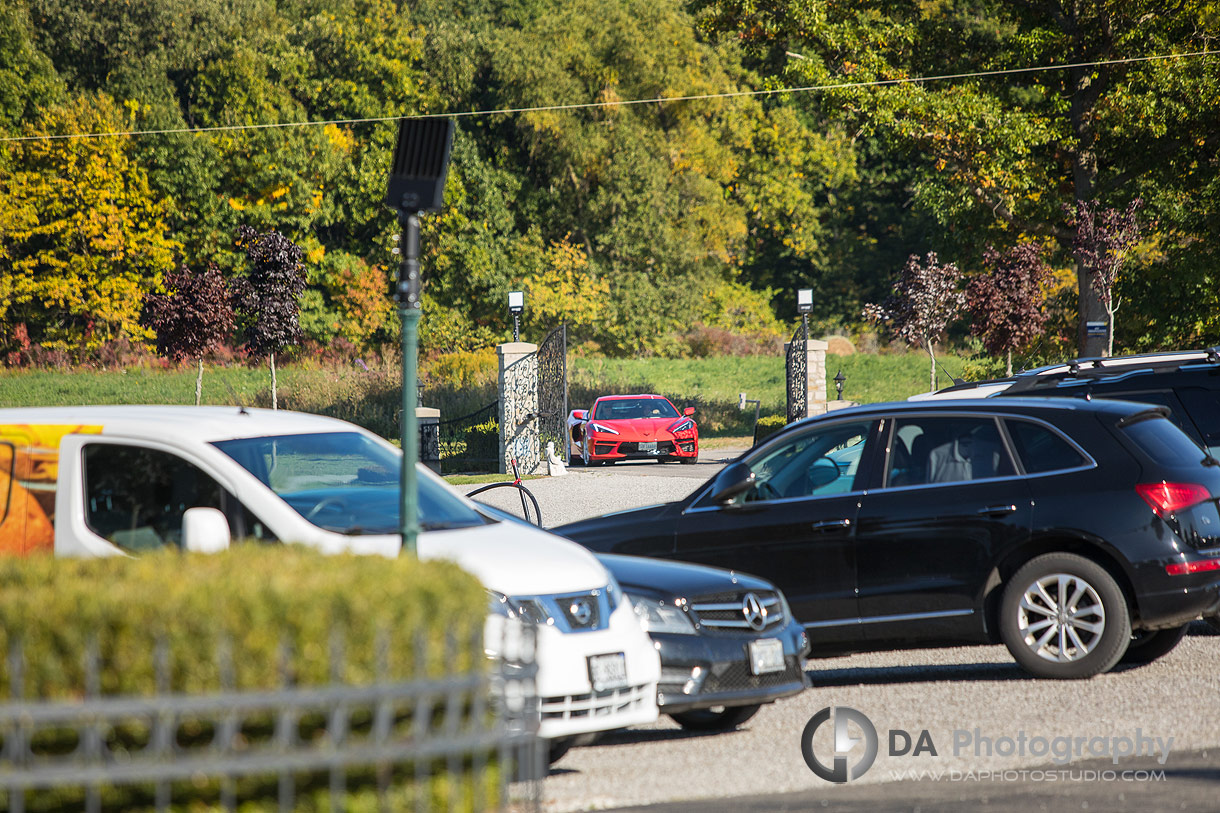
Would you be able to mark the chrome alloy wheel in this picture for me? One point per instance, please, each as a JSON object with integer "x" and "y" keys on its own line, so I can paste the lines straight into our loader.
{"x": 1061, "y": 617}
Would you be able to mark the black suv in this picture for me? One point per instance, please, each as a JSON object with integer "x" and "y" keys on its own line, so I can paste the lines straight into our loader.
{"x": 1078, "y": 533}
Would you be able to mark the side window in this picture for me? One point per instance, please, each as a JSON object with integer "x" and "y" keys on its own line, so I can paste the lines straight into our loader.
{"x": 135, "y": 497}
{"x": 1040, "y": 449}
{"x": 945, "y": 450}
{"x": 820, "y": 462}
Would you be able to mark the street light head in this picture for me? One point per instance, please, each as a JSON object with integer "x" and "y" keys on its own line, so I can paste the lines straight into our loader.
{"x": 516, "y": 302}
{"x": 804, "y": 300}
{"x": 419, "y": 165}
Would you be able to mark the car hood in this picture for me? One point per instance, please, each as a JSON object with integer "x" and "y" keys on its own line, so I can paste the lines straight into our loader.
{"x": 677, "y": 579}
{"x": 604, "y": 532}
{"x": 516, "y": 559}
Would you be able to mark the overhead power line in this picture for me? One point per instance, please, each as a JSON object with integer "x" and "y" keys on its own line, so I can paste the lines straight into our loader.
{"x": 625, "y": 102}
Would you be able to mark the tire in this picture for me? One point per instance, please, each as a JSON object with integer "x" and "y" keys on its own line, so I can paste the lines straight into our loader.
{"x": 1049, "y": 643}
{"x": 724, "y": 719}
{"x": 689, "y": 461}
{"x": 1213, "y": 621}
{"x": 1148, "y": 645}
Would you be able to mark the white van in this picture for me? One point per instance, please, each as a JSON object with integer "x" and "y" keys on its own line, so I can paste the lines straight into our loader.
{"x": 115, "y": 480}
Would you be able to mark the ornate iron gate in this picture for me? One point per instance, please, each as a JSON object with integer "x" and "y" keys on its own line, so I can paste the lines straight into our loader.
{"x": 798, "y": 375}
{"x": 553, "y": 391}
{"x": 471, "y": 442}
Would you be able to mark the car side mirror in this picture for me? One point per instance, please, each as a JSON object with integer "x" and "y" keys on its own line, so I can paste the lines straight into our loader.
{"x": 688, "y": 411}
{"x": 205, "y": 530}
{"x": 580, "y": 414}
{"x": 734, "y": 480}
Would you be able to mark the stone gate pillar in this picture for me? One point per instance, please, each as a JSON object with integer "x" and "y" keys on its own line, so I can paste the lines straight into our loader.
{"x": 815, "y": 365}
{"x": 519, "y": 407}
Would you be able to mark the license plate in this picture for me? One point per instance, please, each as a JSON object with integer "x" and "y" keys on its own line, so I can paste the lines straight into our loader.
{"x": 648, "y": 447}
{"x": 766, "y": 655}
{"x": 609, "y": 671}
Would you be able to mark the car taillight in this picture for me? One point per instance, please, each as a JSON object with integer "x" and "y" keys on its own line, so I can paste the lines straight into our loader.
{"x": 1183, "y": 568}
{"x": 1169, "y": 498}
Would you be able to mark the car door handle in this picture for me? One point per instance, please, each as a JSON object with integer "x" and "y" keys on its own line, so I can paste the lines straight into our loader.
{"x": 832, "y": 524}
{"x": 997, "y": 510}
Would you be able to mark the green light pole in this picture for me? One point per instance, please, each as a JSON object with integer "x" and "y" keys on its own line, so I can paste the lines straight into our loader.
{"x": 417, "y": 184}
{"x": 409, "y": 285}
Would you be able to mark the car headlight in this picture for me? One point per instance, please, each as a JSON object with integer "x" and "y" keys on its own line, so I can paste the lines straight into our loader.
{"x": 605, "y": 430}
{"x": 614, "y": 594}
{"x": 656, "y": 616}
{"x": 525, "y": 609}
{"x": 682, "y": 427}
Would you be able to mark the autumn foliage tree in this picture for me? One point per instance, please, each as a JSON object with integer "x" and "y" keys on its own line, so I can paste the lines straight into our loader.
{"x": 926, "y": 297}
{"x": 1006, "y": 300}
{"x": 268, "y": 297}
{"x": 1101, "y": 243}
{"x": 192, "y": 318}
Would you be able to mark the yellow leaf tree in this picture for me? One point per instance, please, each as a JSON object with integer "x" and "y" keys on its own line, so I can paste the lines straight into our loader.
{"x": 85, "y": 239}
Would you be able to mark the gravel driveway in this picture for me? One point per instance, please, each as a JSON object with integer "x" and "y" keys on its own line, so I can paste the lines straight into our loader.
{"x": 941, "y": 690}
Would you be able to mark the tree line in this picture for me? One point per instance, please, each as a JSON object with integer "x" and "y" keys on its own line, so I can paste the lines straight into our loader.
{"x": 646, "y": 227}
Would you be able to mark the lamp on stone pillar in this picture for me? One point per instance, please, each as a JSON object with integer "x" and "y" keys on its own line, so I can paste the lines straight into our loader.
{"x": 516, "y": 306}
{"x": 839, "y": 379}
{"x": 804, "y": 305}
{"x": 416, "y": 184}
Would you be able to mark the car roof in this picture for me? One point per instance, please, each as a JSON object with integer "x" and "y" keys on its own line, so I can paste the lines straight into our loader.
{"x": 204, "y": 423}
{"x": 1095, "y": 370}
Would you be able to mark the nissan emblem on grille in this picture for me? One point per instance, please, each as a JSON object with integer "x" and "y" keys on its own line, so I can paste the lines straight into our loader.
{"x": 753, "y": 610}
{"x": 581, "y": 612}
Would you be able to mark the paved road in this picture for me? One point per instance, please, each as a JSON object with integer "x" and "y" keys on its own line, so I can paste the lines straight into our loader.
{"x": 942, "y": 691}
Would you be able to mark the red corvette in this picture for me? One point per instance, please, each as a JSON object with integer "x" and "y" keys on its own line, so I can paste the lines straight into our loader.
{"x": 633, "y": 427}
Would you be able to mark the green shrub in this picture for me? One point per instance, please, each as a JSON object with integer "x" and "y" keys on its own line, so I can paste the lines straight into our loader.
{"x": 768, "y": 425}
{"x": 278, "y": 611}
{"x": 256, "y": 597}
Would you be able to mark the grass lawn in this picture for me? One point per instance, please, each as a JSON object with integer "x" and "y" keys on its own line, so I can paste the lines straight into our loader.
{"x": 711, "y": 385}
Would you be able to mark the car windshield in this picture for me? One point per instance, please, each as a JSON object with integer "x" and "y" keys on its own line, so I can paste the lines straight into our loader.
{"x": 345, "y": 482}
{"x": 622, "y": 409}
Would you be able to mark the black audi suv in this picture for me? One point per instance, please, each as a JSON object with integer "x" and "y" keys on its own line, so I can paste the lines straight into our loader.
{"x": 1076, "y": 532}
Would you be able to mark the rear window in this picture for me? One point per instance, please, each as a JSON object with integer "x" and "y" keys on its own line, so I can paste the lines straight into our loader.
{"x": 1163, "y": 442}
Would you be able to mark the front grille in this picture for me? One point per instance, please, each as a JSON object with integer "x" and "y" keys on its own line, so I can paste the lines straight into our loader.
{"x": 726, "y": 611}
{"x": 603, "y": 448}
{"x": 663, "y": 447}
{"x": 583, "y": 611}
{"x": 736, "y": 677}
{"x": 597, "y": 704}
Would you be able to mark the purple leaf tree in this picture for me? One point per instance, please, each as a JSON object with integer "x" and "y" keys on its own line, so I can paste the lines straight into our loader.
{"x": 269, "y": 296}
{"x": 1103, "y": 239}
{"x": 1006, "y": 300}
{"x": 926, "y": 298}
{"x": 192, "y": 318}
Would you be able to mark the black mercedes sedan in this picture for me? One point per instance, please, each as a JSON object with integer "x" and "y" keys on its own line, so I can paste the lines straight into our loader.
{"x": 1078, "y": 533}
{"x": 728, "y": 641}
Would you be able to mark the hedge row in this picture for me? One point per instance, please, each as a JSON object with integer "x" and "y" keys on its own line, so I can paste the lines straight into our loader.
{"x": 255, "y": 598}
{"x": 279, "y": 611}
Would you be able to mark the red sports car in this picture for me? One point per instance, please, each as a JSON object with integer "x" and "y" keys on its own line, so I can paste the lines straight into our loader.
{"x": 633, "y": 427}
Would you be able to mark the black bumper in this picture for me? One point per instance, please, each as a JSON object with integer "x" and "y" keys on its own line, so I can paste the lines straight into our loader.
{"x": 713, "y": 669}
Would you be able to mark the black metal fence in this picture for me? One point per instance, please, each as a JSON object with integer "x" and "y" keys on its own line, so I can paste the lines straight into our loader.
{"x": 427, "y": 743}
{"x": 798, "y": 375}
{"x": 471, "y": 442}
{"x": 553, "y": 391}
